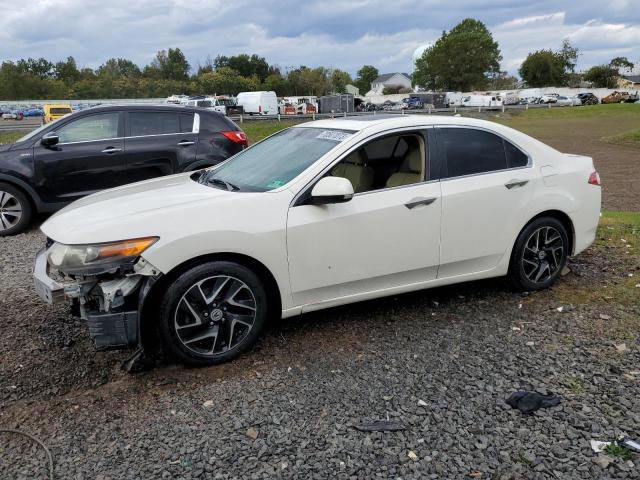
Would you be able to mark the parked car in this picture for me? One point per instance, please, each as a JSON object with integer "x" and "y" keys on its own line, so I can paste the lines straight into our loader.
{"x": 260, "y": 103}
{"x": 588, "y": 98}
{"x": 210, "y": 103}
{"x": 412, "y": 103}
{"x": 619, "y": 97}
{"x": 54, "y": 112}
{"x": 567, "y": 101}
{"x": 549, "y": 98}
{"x": 105, "y": 147}
{"x": 321, "y": 214}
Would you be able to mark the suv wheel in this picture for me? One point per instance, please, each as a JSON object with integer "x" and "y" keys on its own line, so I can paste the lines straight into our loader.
{"x": 15, "y": 210}
{"x": 539, "y": 255}
{"x": 212, "y": 313}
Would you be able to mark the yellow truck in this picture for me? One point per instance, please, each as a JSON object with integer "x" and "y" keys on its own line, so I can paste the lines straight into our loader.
{"x": 55, "y": 111}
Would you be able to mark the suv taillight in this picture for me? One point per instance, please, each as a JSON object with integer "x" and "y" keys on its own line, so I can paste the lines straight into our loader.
{"x": 594, "y": 179}
{"x": 238, "y": 137}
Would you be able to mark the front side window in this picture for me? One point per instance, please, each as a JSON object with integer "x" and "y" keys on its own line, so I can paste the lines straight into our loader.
{"x": 390, "y": 161}
{"x": 153, "y": 123}
{"x": 275, "y": 161}
{"x": 101, "y": 126}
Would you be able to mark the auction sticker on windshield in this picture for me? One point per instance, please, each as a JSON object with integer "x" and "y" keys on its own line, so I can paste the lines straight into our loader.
{"x": 334, "y": 135}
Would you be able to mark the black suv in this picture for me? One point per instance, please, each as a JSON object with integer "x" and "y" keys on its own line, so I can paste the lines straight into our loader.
{"x": 588, "y": 98}
{"x": 105, "y": 147}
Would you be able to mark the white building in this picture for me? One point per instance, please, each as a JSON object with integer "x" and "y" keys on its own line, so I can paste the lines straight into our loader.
{"x": 388, "y": 79}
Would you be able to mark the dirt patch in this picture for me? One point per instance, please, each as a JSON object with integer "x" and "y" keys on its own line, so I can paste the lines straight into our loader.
{"x": 618, "y": 165}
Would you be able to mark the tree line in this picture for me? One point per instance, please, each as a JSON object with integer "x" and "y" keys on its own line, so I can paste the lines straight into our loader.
{"x": 465, "y": 58}
{"x": 169, "y": 73}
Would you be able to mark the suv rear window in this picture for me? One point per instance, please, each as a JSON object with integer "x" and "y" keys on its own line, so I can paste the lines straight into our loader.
{"x": 153, "y": 123}
{"x": 60, "y": 111}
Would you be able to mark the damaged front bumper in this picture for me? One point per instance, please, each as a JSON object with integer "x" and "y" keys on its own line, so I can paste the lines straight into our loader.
{"x": 110, "y": 303}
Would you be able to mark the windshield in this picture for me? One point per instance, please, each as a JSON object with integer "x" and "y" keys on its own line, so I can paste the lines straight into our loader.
{"x": 275, "y": 161}
{"x": 60, "y": 111}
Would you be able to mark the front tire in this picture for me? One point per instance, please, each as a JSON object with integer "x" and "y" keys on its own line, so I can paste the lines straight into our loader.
{"x": 15, "y": 210}
{"x": 212, "y": 313}
{"x": 539, "y": 255}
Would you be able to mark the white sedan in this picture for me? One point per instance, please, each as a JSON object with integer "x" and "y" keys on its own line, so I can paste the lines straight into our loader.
{"x": 317, "y": 215}
{"x": 568, "y": 101}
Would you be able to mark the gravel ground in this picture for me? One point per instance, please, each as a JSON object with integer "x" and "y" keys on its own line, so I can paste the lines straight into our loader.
{"x": 441, "y": 362}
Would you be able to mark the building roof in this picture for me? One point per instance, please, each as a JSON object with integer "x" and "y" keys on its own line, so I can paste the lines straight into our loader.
{"x": 633, "y": 78}
{"x": 386, "y": 76}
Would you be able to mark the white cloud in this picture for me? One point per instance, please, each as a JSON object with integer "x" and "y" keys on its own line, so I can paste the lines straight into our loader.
{"x": 342, "y": 34}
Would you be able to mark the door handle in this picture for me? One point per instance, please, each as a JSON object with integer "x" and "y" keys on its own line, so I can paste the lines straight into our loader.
{"x": 415, "y": 202}
{"x": 515, "y": 183}
{"x": 185, "y": 143}
{"x": 111, "y": 150}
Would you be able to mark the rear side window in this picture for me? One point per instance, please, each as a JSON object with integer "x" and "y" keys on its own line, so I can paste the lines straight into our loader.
{"x": 468, "y": 151}
{"x": 515, "y": 156}
{"x": 186, "y": 122}
{"x": 153, "y": 123}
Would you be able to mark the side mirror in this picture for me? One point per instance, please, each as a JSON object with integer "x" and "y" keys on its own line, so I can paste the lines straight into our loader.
{"x": 331, "y": 190}
{"x": 50, "y": 139}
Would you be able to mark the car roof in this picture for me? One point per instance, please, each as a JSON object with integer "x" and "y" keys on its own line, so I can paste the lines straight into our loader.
{"x": 148, "y": 106}
{"x": 389, "y": 121}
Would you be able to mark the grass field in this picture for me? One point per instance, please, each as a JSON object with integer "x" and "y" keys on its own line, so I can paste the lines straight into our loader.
{"x": 11, "y": 136}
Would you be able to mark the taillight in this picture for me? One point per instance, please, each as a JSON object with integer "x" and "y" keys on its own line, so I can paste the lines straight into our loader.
{"x": 238, "y": 137}
{"x": 594, "y": 179}
{"x": 259, "y": 108}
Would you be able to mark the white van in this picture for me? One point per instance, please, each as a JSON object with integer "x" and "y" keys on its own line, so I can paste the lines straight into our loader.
{"x": 260, "y": 103}
{"x": 454, "y": 99}
{"x": 481, "y": 101}
{"x": 211, "y": 103}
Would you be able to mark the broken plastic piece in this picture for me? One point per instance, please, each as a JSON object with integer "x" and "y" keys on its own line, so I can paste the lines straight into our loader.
{"x": 631, "y": 444}
{"x": 598, "y": 447}
{"x": 529, "y": 402}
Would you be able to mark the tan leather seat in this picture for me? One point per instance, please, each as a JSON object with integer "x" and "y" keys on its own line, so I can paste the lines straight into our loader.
{"x": 413, "y": 173}
{"x": 353, "y": 168}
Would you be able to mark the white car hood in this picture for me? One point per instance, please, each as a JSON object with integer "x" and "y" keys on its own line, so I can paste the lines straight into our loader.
{"x": 141, "y": 209}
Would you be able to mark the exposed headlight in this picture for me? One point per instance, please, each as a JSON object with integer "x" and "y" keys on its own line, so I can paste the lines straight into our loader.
{"x": 96, "y": 258}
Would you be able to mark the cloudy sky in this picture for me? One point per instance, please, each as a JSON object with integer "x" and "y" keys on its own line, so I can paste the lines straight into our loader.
{"x": 335, "y": 33}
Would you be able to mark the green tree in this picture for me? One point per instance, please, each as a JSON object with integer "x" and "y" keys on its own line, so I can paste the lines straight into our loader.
{"x": 339, "y": 80}
{"x": 41, "y": 67}
{"x": 67, "y": 71}
{"x": 462, "y": 59}
{"x": 277, "y": 83}
{"x": 606, "y": 76}
{"x": 119, "y": 67}
{"x": 543, "y": 68}
{"x": 169, "y": 65}
{"x": 546, "y": 68}
{"x": 245, "y": 65}
{"x": 366, "y": 75}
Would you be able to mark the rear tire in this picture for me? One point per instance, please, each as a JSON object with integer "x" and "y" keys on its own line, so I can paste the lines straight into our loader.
{"x": 212, "y": 313}
{"x": 539, "y": 255}
{"x": 15, "y": 210}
